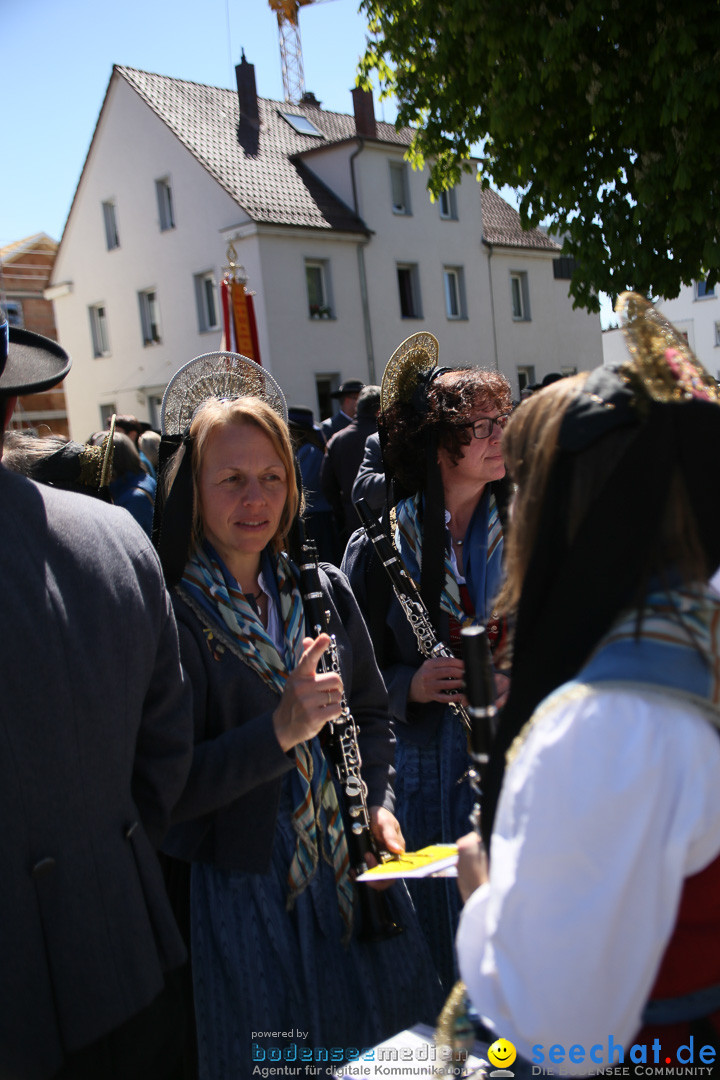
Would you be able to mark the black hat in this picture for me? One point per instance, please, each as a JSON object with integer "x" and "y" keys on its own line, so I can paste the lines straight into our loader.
{"x": 350, "y": 386}
{"x": 131, "y": 423}
{"x": 29, "y": 362}
{"x": 301, "y": 415}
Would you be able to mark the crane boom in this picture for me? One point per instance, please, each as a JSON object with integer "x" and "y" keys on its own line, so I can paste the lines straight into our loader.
{"x": 293, "y": 75}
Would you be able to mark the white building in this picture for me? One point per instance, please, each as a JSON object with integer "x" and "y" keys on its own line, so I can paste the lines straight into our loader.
{"x": 342, "y": 247}
{"x": 695, "y": 313}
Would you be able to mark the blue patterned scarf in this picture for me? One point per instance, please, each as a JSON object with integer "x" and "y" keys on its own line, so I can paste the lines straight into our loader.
{"x": 217, "y": 592}
{"x": 677, "y": 646}
{"x": 482, "y": 556}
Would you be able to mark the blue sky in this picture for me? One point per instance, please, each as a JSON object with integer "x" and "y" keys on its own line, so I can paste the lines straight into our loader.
{"x": 58, "y": 57}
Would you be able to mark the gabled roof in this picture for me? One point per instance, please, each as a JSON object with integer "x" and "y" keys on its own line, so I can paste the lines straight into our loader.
{"x": 20, "y": 247}
{"x": 263, "y": 169}
{"x": 501, "y": 226}
{"x": 258, "y": 168}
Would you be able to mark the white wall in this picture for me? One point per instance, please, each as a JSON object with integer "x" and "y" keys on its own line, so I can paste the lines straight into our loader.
{"x": 614, "y": 350}
{"x": 299, "y": 347}
{"x": 131, "y": 149}
{"x": 555, "y": 336}
{"x": 422, "y": 237}
{"x": 332, "y": 165}
{"x": 697, "y": 318}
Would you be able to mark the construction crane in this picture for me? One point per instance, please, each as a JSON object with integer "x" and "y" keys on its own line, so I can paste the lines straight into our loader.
{"x": 293, "y": 76}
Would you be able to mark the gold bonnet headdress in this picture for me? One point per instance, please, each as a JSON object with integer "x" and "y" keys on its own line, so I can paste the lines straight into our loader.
{"x": 415, "y": 357}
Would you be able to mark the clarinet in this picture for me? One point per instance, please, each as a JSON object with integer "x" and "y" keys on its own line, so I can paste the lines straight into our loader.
{"x": 408, "y": 594}
{"x": 480, "y": 692}
{"x": 343, "y": 750}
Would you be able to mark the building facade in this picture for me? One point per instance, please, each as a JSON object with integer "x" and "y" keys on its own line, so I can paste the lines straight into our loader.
{"x": 25, "y": 268}
{"x": 343, "y": 249}
{"x": 695, "y": 313}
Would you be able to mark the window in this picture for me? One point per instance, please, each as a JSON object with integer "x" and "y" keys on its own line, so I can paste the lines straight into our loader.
{"x": 519, "y": 296}
{"x": 526, "y": 376}
{"x": 454, "y": 292}
{"x": 99, "y": 330}
{"x": 563, "y": 268}
{"x": 702, "y": 290}
{"x": 149, "y": 317}
{"x": 165, "y": 204}
{"x": 448, "y": 204}
{"x": 399, "y": 188}
{"x": 111, "y": 233}
{"x": 324, "y": 387}
{"x": 14, "y": 312}
{"x": 409, "y": 290}
{"x": 155, "y": 408}
{"x": 206, "y": 299}
{"x": 317, "y": 278}
{"x": 301, "y": 124}
{"x": 106, "y": 414}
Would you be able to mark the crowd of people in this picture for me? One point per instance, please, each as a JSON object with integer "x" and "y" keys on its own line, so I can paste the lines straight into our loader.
{"x": 236, "y": 716}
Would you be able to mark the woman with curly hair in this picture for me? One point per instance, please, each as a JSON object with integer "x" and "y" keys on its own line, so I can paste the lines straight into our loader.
{"x": 440, "y": 430}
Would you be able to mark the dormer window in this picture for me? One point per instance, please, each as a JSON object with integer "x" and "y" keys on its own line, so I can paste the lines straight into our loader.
{"x": 300, "y": 123}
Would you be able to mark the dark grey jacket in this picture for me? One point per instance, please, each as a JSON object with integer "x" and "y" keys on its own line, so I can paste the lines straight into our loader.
{"x": 228, "y": 811}
{"x": 370, "y": 480}
{"x": 339, "y": 469}
{"x": 333, "y": 424}
{"x": 95, "y": 746}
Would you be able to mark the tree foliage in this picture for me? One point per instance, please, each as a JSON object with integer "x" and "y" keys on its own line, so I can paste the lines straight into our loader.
{"x": 604, "y": 114}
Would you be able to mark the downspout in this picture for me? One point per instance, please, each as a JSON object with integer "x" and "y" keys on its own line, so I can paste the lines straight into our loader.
{"x": 492, "y": 303}
{"x": 361, "y": 271}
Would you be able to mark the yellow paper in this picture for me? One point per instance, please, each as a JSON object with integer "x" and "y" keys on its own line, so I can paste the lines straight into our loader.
{"x": 423, "y": 863}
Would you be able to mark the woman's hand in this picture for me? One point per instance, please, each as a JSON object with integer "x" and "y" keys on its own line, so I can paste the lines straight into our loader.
{"x": 386, "y": 830}
{"x": 388, "y": 835}
{"x": 439, "y": 679}
{"x": 309, "y": 699}
{"x": 472, "y": 867}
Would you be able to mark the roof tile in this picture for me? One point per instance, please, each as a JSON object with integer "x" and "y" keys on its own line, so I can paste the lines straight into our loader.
{"x": 262, "y": 169}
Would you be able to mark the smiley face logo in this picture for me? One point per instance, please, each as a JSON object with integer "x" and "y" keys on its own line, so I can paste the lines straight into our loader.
{"x": 502, "y": 1053}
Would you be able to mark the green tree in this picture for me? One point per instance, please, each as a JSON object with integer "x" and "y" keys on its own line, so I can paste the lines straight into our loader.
{"x": 603, "y": 114}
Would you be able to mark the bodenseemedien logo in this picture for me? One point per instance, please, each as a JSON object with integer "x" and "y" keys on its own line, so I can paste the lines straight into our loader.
{"x": 501, "y": 1054}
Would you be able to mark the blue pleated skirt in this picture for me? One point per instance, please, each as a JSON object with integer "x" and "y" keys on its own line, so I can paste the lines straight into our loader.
{"x": 273, "y": 985}
{"x": 434, "y": 801}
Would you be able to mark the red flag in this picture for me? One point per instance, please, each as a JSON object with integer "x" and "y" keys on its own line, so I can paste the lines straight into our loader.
{"x": 241, "y": 319}
{"x": 239, "y": 326}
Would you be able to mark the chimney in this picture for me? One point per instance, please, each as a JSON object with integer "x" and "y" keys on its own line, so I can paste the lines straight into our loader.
{"x": 364, "y": 112}
{"x": 309, "y": 98}
{"x": 247, "y": 92}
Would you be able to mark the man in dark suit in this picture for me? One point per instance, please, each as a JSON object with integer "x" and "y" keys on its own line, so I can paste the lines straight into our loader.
{"x": 95, "y": 747}
{"x": 346, "y": 395}
{"x": 342, "y": 461}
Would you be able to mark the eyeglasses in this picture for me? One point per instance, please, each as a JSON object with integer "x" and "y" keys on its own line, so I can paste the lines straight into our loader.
{"x": 483, "y": 428}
